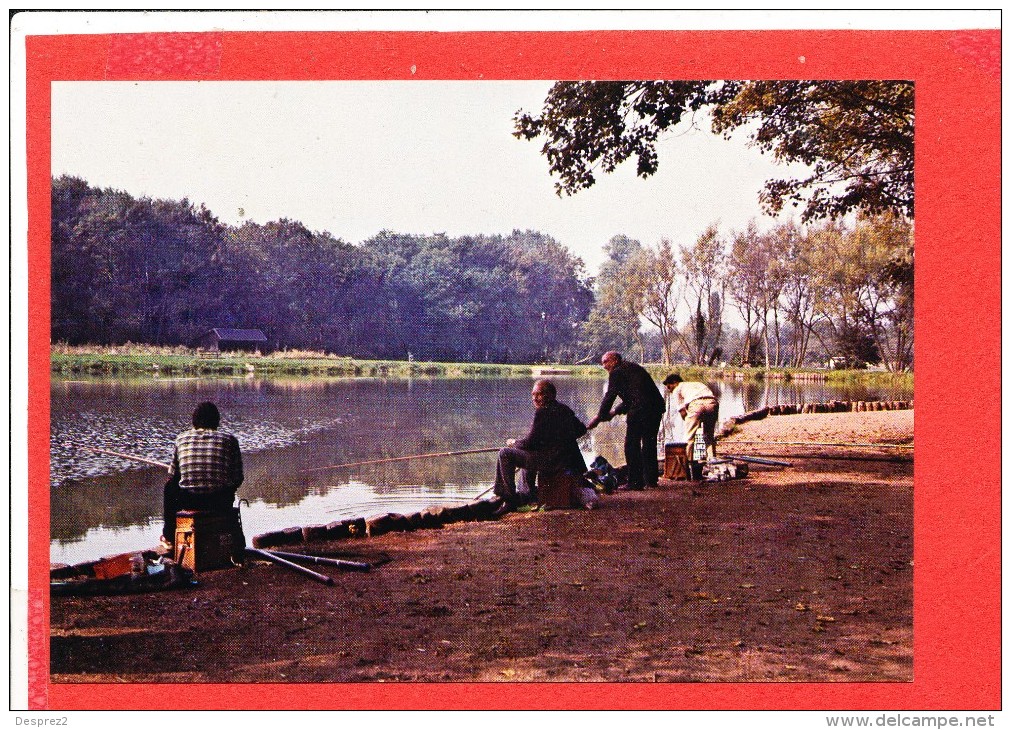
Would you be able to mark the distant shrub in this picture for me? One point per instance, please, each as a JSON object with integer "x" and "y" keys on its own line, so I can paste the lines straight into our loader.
{"x": 306, "y": 355}
{"x": 127, "y": 348}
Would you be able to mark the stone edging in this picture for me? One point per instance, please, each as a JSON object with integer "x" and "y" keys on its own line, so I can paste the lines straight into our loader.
{"x": 834, "y": 406}
{"x": 426, "y": 519}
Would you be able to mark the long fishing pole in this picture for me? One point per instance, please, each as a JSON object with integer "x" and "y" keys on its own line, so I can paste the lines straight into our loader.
{"x": 822, "y": 443}
{"x": 141, "y": 459}
{"x": 319, "y": 560}
{"x": 756, "y": 460}
{"x": 267, "y": 555}
{"x": 893, "y": 459}
{"x": 348, "y": 465}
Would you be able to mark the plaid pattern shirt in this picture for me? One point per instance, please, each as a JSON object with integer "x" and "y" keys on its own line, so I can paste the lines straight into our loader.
{"x": 207, "y": 461}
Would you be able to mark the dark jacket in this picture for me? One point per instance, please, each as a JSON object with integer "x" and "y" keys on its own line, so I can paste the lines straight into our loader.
{"x": 553, "y": 437}
{"x": 639, "y": 395}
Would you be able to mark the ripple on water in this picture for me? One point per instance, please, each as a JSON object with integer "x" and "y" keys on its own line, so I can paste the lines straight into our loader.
{"x": 151, "y": 438}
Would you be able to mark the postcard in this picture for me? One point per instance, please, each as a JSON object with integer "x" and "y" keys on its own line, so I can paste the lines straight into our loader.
{"x": 506, "y": 360}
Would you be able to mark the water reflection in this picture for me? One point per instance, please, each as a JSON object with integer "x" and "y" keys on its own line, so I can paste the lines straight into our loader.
{"x": 102, "y": 504}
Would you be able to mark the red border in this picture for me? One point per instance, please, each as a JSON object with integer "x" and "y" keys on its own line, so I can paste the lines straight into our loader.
{"x": 957, "y": 515}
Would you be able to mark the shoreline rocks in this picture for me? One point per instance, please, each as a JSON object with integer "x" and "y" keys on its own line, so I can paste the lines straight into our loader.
{"x": 431, "y": 518}
{"x": 790, "y": 409}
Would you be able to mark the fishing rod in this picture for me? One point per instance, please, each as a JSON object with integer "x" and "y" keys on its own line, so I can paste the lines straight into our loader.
{"x": 267, "y": 555}
{"x": 822, "y": 443}
{"x": 486, "y": 450}
{"x": 319, "y": 560}
{"x": 893, "y": 459}
{"x": 756, "y": 460}
{"x": 141, "y": 459}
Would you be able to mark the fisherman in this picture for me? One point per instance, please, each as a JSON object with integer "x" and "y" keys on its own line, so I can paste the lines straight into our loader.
{"x": 205, "y": 472}
{"x": 549, "y": 447}
{"x": 698, "y": 406}
{"x": 644, "y": 406}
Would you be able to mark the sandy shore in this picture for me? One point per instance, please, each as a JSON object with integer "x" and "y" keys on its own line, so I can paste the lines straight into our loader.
{"x": 799, "y": 574}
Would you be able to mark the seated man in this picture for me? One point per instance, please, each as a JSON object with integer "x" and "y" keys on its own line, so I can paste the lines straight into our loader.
{"x": 549, "y": 447}
{"x": 206, "y": 469}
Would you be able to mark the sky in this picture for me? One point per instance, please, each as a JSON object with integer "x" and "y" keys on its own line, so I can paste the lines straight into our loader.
{"x": 357, "y": 157}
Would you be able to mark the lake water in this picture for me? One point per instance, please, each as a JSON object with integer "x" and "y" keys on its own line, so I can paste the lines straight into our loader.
{"x": 102, "y": 505}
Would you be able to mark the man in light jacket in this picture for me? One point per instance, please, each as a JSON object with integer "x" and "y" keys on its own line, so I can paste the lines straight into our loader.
{"x": 698, "y": 406}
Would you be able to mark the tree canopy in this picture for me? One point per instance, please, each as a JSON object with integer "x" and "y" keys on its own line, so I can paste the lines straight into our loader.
{"x": 856, "y": 137}
{"x": 164, "y": 272}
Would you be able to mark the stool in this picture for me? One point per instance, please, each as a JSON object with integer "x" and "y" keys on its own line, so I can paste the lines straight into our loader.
{"x": 675, "y": 461}
{"x": 207, "y": 540}
{"x": 555, "y": 490}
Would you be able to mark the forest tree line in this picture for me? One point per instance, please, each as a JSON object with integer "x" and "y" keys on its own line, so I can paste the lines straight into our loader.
{"x": 128, "y": 269}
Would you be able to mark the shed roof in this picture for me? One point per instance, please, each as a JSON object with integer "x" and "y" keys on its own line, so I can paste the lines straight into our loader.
{"x": 236, "y": 335}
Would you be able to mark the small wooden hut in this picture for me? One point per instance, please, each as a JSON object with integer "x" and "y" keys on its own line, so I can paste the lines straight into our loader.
{"x": 224, "y": 339}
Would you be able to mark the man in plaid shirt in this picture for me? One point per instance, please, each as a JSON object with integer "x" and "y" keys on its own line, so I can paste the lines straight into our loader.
{"x": 206, "y": 469}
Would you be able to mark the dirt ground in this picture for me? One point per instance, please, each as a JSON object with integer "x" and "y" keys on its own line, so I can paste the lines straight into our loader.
{"x": 799, "y": 574}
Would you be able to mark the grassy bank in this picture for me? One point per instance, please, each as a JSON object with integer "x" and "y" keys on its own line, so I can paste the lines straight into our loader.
{"x": 144, "y": 359}
{"x": 138, "y": 360}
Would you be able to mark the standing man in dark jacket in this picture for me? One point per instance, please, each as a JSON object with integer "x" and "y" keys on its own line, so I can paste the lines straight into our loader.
{"x": 644, "y": 406}
{"x": 550, "y": 446}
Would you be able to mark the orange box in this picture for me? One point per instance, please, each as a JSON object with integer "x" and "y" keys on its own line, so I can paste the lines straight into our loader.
{"x": 114, "y": 566}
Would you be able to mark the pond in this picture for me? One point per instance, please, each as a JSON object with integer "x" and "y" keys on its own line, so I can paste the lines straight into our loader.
{"x": 289, "y": 428}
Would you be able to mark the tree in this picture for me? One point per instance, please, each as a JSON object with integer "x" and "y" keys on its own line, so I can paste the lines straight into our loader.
{"x": 163, "y": 272}
{"x": 847, "y": 272}
{"x": 884, "y": 246}
{"x": 855, "y": 136}
{"x": 552, "y": 293}
{"x": 704, "y": 267}
{"x": 73, "y": 268}
{"x": 798, "y": 290}
{"x": 519, "y": 298}
{"x": 747, "y": 272}
{"x": 304, "y": 289}
{"x": 125, "y": 268}
{"x": 656, "y": 277}
{"x": 613, "y": 322}
{"x": 775, "y": 245}
{"x": 898, "y": 272}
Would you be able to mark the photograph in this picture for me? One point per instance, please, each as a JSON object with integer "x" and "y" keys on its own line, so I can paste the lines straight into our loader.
{"x": 428, "y": 361}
